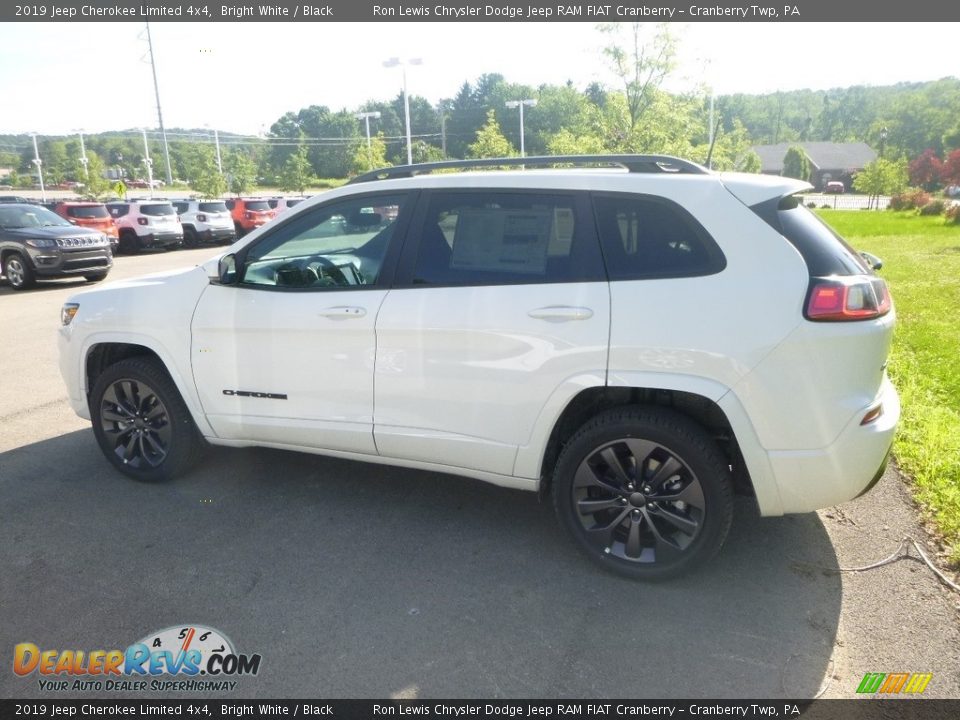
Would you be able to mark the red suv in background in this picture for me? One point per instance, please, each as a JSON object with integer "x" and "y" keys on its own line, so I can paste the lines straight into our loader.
{"x": 92, "y": 215}
{"x": 250, "y": 213}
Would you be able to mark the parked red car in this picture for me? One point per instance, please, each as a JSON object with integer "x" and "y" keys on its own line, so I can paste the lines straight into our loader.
{"x": 90, "y": 215}
{"x": 249, "y": 213}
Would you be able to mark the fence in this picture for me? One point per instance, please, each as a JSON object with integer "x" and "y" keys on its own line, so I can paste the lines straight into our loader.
{"x": 845, "y": 202}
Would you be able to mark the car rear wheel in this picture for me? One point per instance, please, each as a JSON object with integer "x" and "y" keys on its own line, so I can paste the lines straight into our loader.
{"x": 644, "y": 492}
{"x": 18, "y": 271}
{"x": 141, "y": 422}
{"x": 129, "y": 241}
{"x": 190, "y": 238}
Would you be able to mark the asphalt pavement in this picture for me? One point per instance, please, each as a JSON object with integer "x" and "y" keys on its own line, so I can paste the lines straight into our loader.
{"x": 361, "y": 580}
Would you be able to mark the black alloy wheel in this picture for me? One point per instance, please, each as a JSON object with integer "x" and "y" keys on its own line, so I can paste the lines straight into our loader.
{"x": 644, "y": 492}
{"x": 141, "y": 423}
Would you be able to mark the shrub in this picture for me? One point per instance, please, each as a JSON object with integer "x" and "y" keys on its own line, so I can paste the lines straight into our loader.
{"x": 910, "y": 199}
{"x": 952, "y": 214}
{"x": 934, "y": 207}
{"x": 811, "y": 204}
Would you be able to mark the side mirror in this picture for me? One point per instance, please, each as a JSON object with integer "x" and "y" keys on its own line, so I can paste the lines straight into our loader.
{"x": 873, "y": 261}
{"x": 227, "y": 269}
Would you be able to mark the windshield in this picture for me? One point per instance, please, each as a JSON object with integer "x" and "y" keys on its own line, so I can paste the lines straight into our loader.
{"x": 29, "y": 216}
{"x": 213, "y": 207}
{"x": 258, "y": 205}
{"x": 158, "y": 210}
{"x": 88, "y": 211}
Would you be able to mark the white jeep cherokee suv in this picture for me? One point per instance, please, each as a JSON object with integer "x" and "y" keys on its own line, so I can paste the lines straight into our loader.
{"x": 638, "y": 341}
{"x": 205, "y": 221}
{"x": 143, "y": 224}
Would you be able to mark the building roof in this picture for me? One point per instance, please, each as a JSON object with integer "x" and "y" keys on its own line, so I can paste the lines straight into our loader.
{"x": 842, "y": 157}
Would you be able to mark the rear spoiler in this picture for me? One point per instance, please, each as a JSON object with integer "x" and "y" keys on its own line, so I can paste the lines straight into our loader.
{"x": 753, "y": 189}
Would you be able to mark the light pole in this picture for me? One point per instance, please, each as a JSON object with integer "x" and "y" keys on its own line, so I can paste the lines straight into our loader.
{"x": 83, "y": 155}
{"x": 529, "y": 102}
{"x": 394, "y": 62}
{"x": 156, "y": 90}
{"x": 39, "y": 163}
{"x": 148, "y": 162}
{"x": 216, "y": 142}
{"x": 365, "y": 116}
{"x": 883, "y": 139}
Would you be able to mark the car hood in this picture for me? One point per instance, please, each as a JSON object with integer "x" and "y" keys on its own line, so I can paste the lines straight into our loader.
{"x": 53, "y": 231}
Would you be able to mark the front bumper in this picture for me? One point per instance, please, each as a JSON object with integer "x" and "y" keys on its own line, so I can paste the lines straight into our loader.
{"x": 813, "y": 479}
{"x": 66, "y": 263}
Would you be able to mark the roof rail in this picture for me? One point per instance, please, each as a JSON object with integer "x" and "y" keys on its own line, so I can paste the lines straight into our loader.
{"x": 633, "y": 163}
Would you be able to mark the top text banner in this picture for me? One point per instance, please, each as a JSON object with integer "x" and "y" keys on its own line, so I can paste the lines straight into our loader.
{"x": 852, "y": 11}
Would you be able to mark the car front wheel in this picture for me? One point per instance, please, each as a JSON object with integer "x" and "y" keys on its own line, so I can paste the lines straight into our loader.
{"x": 18, "y": 271}
{"x": 141, "y": 422}
{"x": 644, "y": 492}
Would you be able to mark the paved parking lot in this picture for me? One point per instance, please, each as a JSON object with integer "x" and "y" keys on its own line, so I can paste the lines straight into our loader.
{"x": 357, "y": 580}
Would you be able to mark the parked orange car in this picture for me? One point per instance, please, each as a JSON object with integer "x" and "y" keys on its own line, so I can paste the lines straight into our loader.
{"x": 249, "y": 213}
{"x": 90, "y": 215}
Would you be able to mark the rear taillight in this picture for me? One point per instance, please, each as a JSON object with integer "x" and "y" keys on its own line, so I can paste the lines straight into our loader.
{"x": 142, "y": 221}
{"x": 857, "y": 297}
{"x": 201, "y": 217}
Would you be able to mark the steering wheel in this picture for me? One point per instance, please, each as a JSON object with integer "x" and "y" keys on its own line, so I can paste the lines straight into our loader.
{"x": 339, "y": 274}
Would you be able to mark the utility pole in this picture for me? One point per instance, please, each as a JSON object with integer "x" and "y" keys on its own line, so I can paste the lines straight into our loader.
{"x": 148, "y": 162}
{"x": 83, "y": 156}
{"x": 156, "y": 90}
{"x": 39, "y": 163}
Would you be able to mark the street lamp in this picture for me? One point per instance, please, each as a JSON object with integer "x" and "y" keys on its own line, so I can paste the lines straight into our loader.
{"x": 83, "y": 155}
{"x": 39, "y": 163}
{"x": 365, "y": 116}
{"x": 148, "y": 162}
{"x": 530, "y": 102}
{"x": 395, "y": 62}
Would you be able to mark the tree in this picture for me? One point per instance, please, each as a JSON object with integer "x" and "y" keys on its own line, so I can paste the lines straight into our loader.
{"x": 241, "y": 172}
{"x": 796, "y": 164}
{"x": 95, "y": 185}
{"x": 951, "y": 169}
{"x": 490, "y": 142}
{"x": 925, "y": 170}
{"x": 296, "y": 174}
{"x": 566, "y": 143}
{"x": 749, "y": 162}
{"x": 881, "y": 177}
{"x": 365, "y": 159}
{"x": 205, "y": 177}
{"x": 643, "y": 64}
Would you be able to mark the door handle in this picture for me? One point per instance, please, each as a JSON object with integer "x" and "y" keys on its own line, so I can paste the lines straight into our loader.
{"x": 561, "y": 313}
{"x": 343, "y": 312}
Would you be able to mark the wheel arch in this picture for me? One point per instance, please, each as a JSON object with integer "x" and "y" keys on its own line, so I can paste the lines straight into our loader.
{"x": 704, "y": 405}
{"x": 101, "y": 353}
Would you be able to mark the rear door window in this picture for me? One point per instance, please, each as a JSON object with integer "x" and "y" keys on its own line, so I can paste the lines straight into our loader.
{"x": 495, "y": 237}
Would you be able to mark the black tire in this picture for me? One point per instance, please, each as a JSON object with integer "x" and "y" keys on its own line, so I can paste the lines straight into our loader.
{"x": 190, "y": 237}
{"x": 18, "y": 271}
{"x": 129, "y": 241}
{"x": 96, "y": 277}
{"x": 644, "y": 492}
{"x": 141, "y": 423}
{"x": 239, "y": 228}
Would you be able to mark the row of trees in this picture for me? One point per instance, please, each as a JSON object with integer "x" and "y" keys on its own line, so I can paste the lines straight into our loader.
{"x": 633, "y": 114}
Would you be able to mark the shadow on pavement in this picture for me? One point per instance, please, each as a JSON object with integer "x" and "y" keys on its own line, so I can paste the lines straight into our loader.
{"x": 361, "y": 580}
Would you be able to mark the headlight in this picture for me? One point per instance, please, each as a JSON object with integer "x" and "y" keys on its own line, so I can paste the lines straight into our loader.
{"x": 42, "y": 242}
{"x": 67, "y": 312}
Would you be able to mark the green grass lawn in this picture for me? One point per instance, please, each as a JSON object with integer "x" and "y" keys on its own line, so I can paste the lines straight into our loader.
{"x": 921, "y": 258}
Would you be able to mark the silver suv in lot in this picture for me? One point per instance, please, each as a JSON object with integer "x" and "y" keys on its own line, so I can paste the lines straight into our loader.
{"x": 638, "y": 338}
{"x": 37, "y": 244}
{"x": 205, "y": 221}
{"x": 144, "y": 224}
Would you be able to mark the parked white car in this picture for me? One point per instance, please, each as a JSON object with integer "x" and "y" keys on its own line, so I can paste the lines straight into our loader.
{"x": 143, "y": 224}
{"x": 640, "y": 342}
{"x": 282, "y": 204}
{"x": 205, "y": 221}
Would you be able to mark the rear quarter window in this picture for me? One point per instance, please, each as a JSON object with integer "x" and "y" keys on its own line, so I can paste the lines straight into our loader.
{"x": 646, "y": 237}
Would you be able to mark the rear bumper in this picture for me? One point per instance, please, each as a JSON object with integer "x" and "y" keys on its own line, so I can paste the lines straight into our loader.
{"x": 161, "y": 239}
{"x": 217, "y": 234}
{"x": 813, "y": 479}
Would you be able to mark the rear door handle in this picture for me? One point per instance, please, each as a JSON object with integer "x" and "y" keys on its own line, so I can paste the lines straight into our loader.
{"x": 343, "y": 312}
{"x": 561, "y": 313}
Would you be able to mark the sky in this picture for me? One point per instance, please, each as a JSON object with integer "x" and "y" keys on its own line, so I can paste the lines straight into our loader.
{"x": 57, "y": 78}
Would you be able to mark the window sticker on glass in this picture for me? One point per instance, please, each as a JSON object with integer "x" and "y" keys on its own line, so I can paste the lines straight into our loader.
{"x": 562, "y": 234}
{"x": 502, "y": 240}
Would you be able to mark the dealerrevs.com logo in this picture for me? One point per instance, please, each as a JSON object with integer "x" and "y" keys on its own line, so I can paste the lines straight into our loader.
{"x": 183, "y": 658}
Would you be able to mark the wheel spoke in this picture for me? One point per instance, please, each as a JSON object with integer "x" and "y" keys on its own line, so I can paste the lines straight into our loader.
{"x": 110, "y": 414}
{"x": 609, "y": 456}
{"x": 588, "y": 507}
{"x": 112, "y": 399}
{"x": 633, "y": 547}
{"x": 676, "y": 518}
{"x": 129, "y": 447}
{"x": 664, "y": 547}
{"x": 668, "y": 469}
{"x": 587, "y": 477}
{"x": 692, "y": 494}
{"x": 610, "y": 526}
